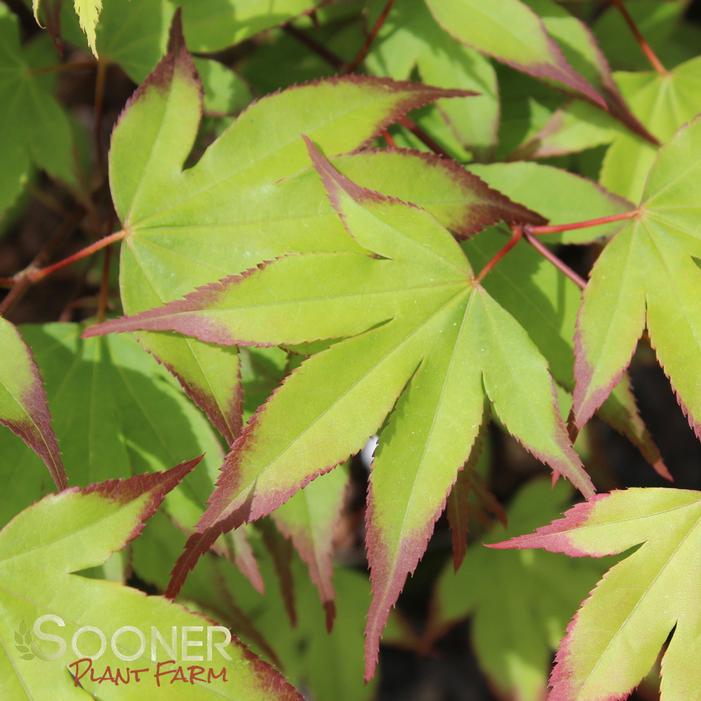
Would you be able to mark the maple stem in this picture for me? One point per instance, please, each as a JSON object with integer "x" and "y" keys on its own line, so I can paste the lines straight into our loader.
{"x": 39, "y": 274}
{"x": 516, "y": 236}
{"x": 388, "y": 138}
{"x": 100, "y": 80}
{"x": 319, "y": 49}
{"x": 422, "y": 136}
{"x": 360, "y": 56}
{"x": 61, "y": 67}
{"x": 646, "y": 48}
{"x": 552, "y": 258}
{"x": 559, "y": 228}
{"x": 104, "y": 286}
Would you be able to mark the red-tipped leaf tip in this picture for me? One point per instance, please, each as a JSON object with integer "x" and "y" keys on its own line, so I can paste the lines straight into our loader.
{"x": 176, "y": 40}
{"x": 330, "y": 615}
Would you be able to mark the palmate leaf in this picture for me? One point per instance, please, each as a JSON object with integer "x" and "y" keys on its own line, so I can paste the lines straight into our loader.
{"x": 237, "y": 206}
{"x": 43, "y": 548}
{"x": 615, "y": 638}
{"x": 23, "y": 405}
{"x": 646, "y": 276}
{"x": 519, "y": 602}
{"x": 421, "y": 334}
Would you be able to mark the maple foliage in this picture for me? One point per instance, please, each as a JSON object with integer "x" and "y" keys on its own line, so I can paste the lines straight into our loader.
{"x": 379, "y": 261}
{"x": 615, "y": 638}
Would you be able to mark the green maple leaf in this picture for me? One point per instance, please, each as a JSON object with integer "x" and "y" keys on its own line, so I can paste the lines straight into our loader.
{"x": 420, "y": 333}
{"x": 34, "y": 128}
{"x": 616, "y": 637}
{"x": 41, "y": 551}
{"x": 247, "y": 199}
{"x": 663, "y": 103}
{"x": 647, "y": 276}
{"x": 519, "y": 602}
{"x": 23, "y": 405}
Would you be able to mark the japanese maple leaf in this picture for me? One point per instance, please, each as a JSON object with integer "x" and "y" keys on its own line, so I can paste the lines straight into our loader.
{"x": 615, "y": 638}
{"x": 245, "y": 200}
{"x": 647, "y": 276}
{"x": 424, "y": 344}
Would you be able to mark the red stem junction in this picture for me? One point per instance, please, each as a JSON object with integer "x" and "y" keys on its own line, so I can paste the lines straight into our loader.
{"x": 516, "y": 236}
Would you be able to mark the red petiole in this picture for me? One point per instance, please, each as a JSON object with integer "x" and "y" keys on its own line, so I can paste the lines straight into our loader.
{"x": 560, "y": 228}
{"x": 646, "y": 48}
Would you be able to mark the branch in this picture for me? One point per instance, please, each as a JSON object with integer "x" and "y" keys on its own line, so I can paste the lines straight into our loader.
{"x": 646, "y": 48}
{"x": 38, "y": 274}
{"x": 425, "y": 138}
{"x": 360, "y": 56}
{"x": 552, "y": 258}
{"x": 319, "y": 49}
{"x": 22, "y": 281}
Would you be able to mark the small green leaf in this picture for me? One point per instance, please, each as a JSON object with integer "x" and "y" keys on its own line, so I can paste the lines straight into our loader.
{"x": 213, "y": 25}
{"x": 309, "y": 519}
{"x": 411, "y": 39}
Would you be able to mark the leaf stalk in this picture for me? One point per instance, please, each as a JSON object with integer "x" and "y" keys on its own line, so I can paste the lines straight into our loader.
{"x": 573, "y": 226}
{"x": 361, "y": 55}
{"x": 646, "y": 48}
